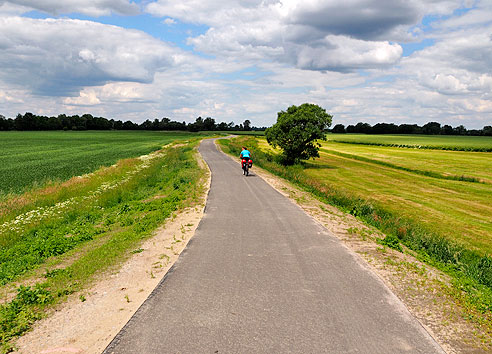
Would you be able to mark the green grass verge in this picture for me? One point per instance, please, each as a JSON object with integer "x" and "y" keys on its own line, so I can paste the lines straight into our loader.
{"x": 470, "y": 269}
{"x": 88, "y": 233}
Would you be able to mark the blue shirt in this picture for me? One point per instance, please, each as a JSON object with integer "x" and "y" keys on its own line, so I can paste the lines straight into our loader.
{"x": 245, "y": 153}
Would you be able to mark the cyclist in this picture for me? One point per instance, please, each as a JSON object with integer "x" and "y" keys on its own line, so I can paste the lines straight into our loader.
{"x": 245, "y": 155}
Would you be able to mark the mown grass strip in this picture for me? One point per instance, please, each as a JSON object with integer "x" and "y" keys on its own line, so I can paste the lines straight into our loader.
{"x": 458, "y": 163}
{"x": 458, "y": 142}
{"x": 115, "y": 222}
{"x": 402, "y": 168}
{"x": 416, "y": 146}
{"x": 471, "y": 270}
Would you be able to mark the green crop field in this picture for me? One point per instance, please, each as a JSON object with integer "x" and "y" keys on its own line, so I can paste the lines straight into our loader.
{"x": 33, "y": 158}
{"x": 447, "y": 142}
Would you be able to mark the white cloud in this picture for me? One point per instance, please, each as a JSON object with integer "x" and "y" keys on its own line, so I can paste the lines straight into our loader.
{"x": 8, "y": 9}
{"x": 197, "y": 11}
{"x": 333, "y": 53}
{"x": 479, "y": 14}
{"x": 338, "y": 53}
{"x": 86, "y": 7}
{"x": 121, "y": 92}
{"x": 313, "y": 34}
{"x": 472, "y": 105}
{"x": 169, "y": 21}
{"x": 6, "y": 98}
{"x": 266, "y": 55}
{"x": 447, "y": 84}
{"x": 459, "y": 62}
{"x": 362, "y": 19}
{"x": 58, "y": 57}
{"x": 86, "y": 98}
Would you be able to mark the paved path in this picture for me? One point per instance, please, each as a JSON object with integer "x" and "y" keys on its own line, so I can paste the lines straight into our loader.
{"x": 278, "y": 283}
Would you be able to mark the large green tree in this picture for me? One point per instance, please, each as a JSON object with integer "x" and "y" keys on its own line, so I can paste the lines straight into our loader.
{"x": 298, "y": 130}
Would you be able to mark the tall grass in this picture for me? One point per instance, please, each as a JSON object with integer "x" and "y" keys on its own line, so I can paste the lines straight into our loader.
{"x": 472, "y": 269}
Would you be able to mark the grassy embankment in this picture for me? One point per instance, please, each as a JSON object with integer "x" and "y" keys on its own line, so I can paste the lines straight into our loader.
{"x": 414, "y": 196}
{"x": 58, "y": 237}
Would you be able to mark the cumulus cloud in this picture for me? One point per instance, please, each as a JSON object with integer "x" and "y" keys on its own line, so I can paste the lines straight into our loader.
{"x": 266, "y": 55}
{"x": 458, "y": 63}
{"x": 86, "y": 98}
{"x": 313, "y": 34}
{"x": 362, "y": 19}
{"x": 338, "y": 53}
{"x": 8, "y": 9}
{"x": 333, "y": 53}
{"x": 169, "y": 21}
{"x": 86, "y": 7}
{"x": 197, "y": 11}
{"x": 6, "y": 98}
{"x": 58, "y": 57}
{"x": 478, "y": 16}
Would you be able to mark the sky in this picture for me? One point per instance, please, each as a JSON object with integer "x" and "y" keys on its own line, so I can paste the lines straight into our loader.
{"x": 393, "y": 61}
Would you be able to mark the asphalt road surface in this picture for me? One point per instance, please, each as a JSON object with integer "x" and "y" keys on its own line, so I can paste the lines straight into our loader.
{"x": 260, "y": 276}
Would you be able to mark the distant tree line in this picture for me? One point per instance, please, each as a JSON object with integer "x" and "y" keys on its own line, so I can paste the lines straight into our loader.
{"x": 431, "y": 128}
{"x": 31, "y": 121}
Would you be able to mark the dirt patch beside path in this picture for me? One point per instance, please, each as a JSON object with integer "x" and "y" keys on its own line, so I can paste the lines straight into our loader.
{"x": 88, "y": 326}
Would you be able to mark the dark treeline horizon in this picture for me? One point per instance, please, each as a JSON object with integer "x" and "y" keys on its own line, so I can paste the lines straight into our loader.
{"x": 33, "y": 122}
{"x": 431, "y": 128}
